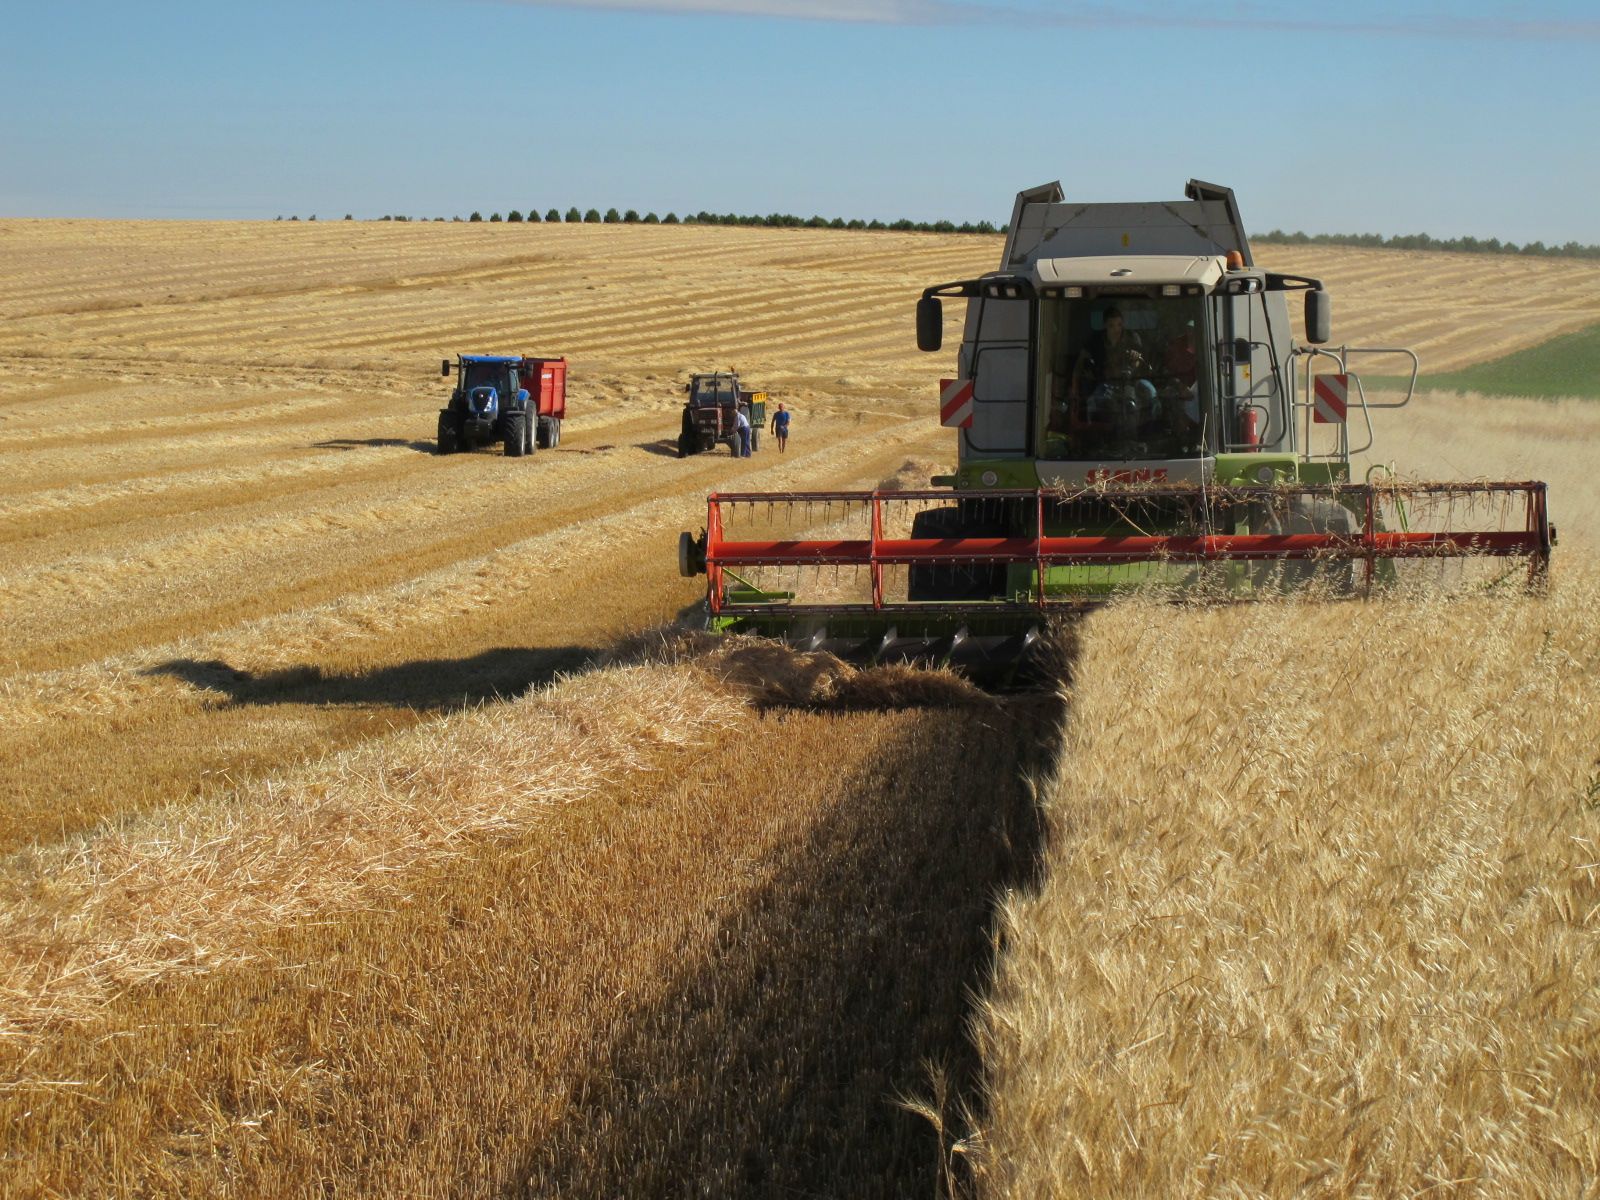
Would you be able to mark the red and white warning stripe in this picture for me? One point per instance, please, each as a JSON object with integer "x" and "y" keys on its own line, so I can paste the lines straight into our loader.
{"x": 955, "y": 403}
{"x": 1330, "y": 398}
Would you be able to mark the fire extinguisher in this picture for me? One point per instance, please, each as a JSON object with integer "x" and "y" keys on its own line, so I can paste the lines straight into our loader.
{"x": 1250, "y": 428}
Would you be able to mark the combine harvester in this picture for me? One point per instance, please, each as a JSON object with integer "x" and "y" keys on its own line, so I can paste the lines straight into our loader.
{"x": 1132, "y": 410}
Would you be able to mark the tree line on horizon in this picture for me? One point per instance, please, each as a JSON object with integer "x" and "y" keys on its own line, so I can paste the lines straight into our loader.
{"x": 1422, "y": 241}
{"x": 1400, "y": 241}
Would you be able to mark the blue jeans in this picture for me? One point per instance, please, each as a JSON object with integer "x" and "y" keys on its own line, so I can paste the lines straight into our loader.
{"x": 744, "y": 441}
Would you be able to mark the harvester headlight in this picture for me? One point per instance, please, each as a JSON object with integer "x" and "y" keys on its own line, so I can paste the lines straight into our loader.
{"x": 1265, "y": 474}
{"x": 1074, "y": 293}
{"x": 1170, "y": 289}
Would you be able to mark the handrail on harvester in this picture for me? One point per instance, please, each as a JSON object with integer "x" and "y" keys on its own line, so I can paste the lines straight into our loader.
{"x": 1368, "y": 544}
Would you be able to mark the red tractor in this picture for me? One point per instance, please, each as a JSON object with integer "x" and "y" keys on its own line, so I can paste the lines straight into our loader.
{"x": 710, "y": 414}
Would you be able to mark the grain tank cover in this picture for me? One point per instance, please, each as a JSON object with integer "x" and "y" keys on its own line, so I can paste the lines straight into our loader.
{"x": 1046, "y": 225}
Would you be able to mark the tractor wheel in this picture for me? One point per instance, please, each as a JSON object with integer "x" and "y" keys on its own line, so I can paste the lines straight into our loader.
{"x": 449, "y": 435}
{"x": 516, "y": 436}
{"x": 979, "y": 581}
{"x": 755, "y": 440}
{"x": 555, "y": 432}
{"x": 529, "y": 441}
{"x": 544, "y": 437}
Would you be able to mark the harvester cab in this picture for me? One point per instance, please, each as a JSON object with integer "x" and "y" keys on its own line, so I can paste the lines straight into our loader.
{"x": 713, "y": 400}
{"x": 512, "y": 399}
{"x": 1132, "y": 408}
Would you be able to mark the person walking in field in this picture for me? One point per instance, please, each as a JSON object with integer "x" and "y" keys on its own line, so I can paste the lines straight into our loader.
{"x": 780, "y": 427}
{"x": 741, "y": 422}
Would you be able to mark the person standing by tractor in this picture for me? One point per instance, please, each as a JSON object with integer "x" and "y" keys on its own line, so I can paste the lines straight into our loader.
{"x": 780, "y": 427}
{"x": 741, "y": 422}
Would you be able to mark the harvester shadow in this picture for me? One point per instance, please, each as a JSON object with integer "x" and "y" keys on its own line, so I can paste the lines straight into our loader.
{"x": 426, "y": 685}
{"x": 664, "y": 447}
{"x": 691, "y": 616}
{"x": 778, "y": 1060}
{"x": 357, "y": 443}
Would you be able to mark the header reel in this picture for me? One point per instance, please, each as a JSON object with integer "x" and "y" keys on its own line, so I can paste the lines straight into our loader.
{"x": 971, "y": 578}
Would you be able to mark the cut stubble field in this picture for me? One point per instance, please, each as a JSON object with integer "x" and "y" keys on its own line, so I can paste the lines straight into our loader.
{"x": 344, "y": 853}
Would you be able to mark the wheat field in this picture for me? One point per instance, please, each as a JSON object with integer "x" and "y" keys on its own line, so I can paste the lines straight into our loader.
{"x": 1320, "y": 914}
{"x": 346, "y": 854}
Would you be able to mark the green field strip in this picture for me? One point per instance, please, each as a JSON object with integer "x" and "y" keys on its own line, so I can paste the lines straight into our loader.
{"x": 1568, "y": 365}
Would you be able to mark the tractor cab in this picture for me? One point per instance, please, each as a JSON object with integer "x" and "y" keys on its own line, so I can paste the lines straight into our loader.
{"x": 485, "y": 372}
{"x": 717, "y": 390}
{"x": 489, "y": 383}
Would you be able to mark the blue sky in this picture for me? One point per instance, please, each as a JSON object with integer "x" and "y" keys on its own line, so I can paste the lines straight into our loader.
{"x": 1474, "y": 118}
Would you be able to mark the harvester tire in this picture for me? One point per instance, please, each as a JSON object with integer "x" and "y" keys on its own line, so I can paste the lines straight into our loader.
{"x": 1319, "y": 514}
{"x": 1303, "y": 514}
{"x": 981, "y": 581}
{"x": 516, "y": 436}
{"x": 449, "y": 437}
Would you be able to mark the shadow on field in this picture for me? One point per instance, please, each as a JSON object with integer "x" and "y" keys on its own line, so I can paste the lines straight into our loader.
{"x": 425, "y": 685}
{"x": 664, "y": 447}
{"x": 357, "y": 443}
{"x": 775, "y": 1062}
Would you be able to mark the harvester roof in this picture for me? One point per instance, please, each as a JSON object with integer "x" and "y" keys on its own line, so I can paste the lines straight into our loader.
{"x": 1204, "y": 270}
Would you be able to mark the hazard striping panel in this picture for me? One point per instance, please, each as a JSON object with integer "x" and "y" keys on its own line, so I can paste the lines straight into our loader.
{"x": 955, "y": 403}
{"x": 1330, "y": 399}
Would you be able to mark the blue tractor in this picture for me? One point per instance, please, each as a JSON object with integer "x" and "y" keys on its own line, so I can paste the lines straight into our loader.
{"x": 489, "y": 404}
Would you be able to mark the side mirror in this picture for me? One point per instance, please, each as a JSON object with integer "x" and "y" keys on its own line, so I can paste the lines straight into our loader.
{"x": 445, "y": 368}
{"x": 1319, "y": 317}
{"x": 930, "y": 323}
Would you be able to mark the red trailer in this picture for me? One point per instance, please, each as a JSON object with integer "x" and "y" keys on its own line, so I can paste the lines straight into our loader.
{"x": 546, "y": 382}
